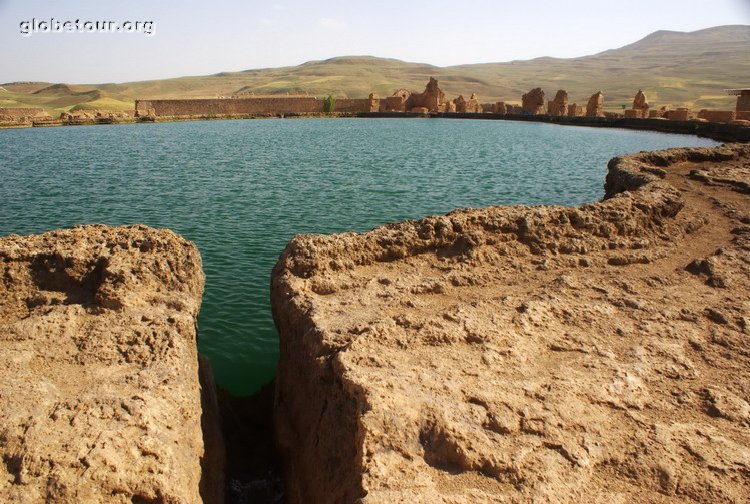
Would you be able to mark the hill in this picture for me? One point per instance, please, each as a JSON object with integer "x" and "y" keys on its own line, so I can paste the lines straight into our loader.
{"x": 673, "y": 68}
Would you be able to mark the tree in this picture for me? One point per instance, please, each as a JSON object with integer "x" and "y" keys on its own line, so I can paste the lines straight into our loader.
{"x": 329, "y": 103}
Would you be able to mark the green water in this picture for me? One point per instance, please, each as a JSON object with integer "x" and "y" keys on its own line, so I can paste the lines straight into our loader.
{"x": 242, "y": 189}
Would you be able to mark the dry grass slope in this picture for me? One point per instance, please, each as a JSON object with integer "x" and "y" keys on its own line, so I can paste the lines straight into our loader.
{"x": 673, "y": 68}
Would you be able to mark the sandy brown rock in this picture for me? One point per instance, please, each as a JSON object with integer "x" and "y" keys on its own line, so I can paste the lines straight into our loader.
{"x": 100, "y": 400}
{"x": 432, "y": 99}
{"x": 640, "y": 102}
{"x": 533, "y": 102}
{"x": 528, "y": 354}
{"x": 558, "y": 106}
{"x": 595, "y": 105}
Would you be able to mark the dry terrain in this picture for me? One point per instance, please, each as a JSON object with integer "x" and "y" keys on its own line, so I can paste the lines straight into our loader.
{"x": 528, "y": 354}
{"x": 100, "y": 399}
{"x": 673, "y": 68}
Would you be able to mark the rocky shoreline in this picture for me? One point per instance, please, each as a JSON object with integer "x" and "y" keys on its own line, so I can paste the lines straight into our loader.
{"x": 720, "y": 131}
{"x": 524, "y": 354}
{"x": 516, "y": 354}
{"x": 101, "y": 400}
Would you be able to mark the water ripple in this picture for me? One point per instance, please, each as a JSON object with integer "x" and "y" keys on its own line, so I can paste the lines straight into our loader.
{"x": 242, "y": 189}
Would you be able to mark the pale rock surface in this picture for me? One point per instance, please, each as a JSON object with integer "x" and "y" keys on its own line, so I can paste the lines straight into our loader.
{"x": 100, "y": 401}
{"x": 553, "y": 354}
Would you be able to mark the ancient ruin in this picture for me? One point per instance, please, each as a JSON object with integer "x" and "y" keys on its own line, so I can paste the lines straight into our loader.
{"x": 432, "y": 99}
{"x": 717, "y": 115}
{"x": 21, "y": 115}
{"x": 532, "y": 103}
{"x": 472, "y": 106}
{"x": 743, "y": 102}
{"x": 575, "y": 110}
{"x": 558, "y": 106}
{"x": 595, "y": 106}
{"x": 640, "y": 106}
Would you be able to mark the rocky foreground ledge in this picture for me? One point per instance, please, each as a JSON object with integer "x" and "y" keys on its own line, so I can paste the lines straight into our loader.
{"x": 528, "y": 354}
{"x": 100, "y": 399}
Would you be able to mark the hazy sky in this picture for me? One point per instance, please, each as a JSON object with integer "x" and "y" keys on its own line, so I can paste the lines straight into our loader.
{"x": 198, "y": 38}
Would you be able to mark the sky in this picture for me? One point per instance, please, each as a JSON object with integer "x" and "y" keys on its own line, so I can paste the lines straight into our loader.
{"x": 200, "y": 38}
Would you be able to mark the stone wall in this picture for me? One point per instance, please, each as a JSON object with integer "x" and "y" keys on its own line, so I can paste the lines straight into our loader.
{"x": 352, "y": 106}
{"x": 681, "y": 114}
{"x": 20, "y": 113}
{"x": 395, "y": 103}
{"x": 637, "y": 113}
{"x": 575, "y": 110}
{"x": 717, "y": 115}
{"x": 743, "y": 102}
{"x": 231, "y": 106}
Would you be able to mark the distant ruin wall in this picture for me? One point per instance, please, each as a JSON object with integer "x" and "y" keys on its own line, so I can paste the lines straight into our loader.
{"x": 353, "y": 106}
{"x": 717, "y": 115}
{"x": 18, "y": 113}
{"x": 232, "y": 106}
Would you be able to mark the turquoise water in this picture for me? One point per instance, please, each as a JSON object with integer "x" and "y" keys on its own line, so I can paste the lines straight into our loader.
{"x": 242, "y": 189}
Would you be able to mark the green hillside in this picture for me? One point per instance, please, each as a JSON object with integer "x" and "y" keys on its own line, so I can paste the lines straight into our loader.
{"x": 673, "y": 68}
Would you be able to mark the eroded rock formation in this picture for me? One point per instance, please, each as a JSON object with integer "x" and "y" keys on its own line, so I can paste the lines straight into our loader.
{"x": 640, "y": 102}
{"x": 532, "y": 102}
{"x": 432, "y": 99}
{"x": 575, "y": 110}
{"x": 473, "y": 106}
{"x": 558, "y": 106}
{"x": 595, "y": 106}
{"x": 100, "y": 400}
{"x": 528, "y": 354}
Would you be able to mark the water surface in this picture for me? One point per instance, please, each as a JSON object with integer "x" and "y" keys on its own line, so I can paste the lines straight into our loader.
{"x": 241, "y": 189}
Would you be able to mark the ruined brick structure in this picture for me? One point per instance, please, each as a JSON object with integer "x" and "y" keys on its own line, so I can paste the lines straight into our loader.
{"x": 532, "y": 103}
{"x": 640, "y": 107}
{"x": 432, "y": 99}
{"x": 681, "y": 114}
{"x": 20, "y": 116}
{"x": 575, "y": 110}
{"x": 230, "y": 106}
{"x": 558, "y": 106}
{"x": 717, "y": 115}
{"x": 743, "y": 103}
{"x": 595, "y": 106}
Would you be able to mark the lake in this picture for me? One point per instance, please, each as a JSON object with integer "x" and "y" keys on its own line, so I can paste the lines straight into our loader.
{"x": 241, "y": 189}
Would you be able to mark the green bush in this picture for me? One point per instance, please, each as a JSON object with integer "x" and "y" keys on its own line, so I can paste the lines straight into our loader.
{"x": 329, "y": 103}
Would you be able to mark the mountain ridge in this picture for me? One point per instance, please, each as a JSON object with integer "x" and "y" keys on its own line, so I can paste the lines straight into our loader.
{"x": 673, "y": 68}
